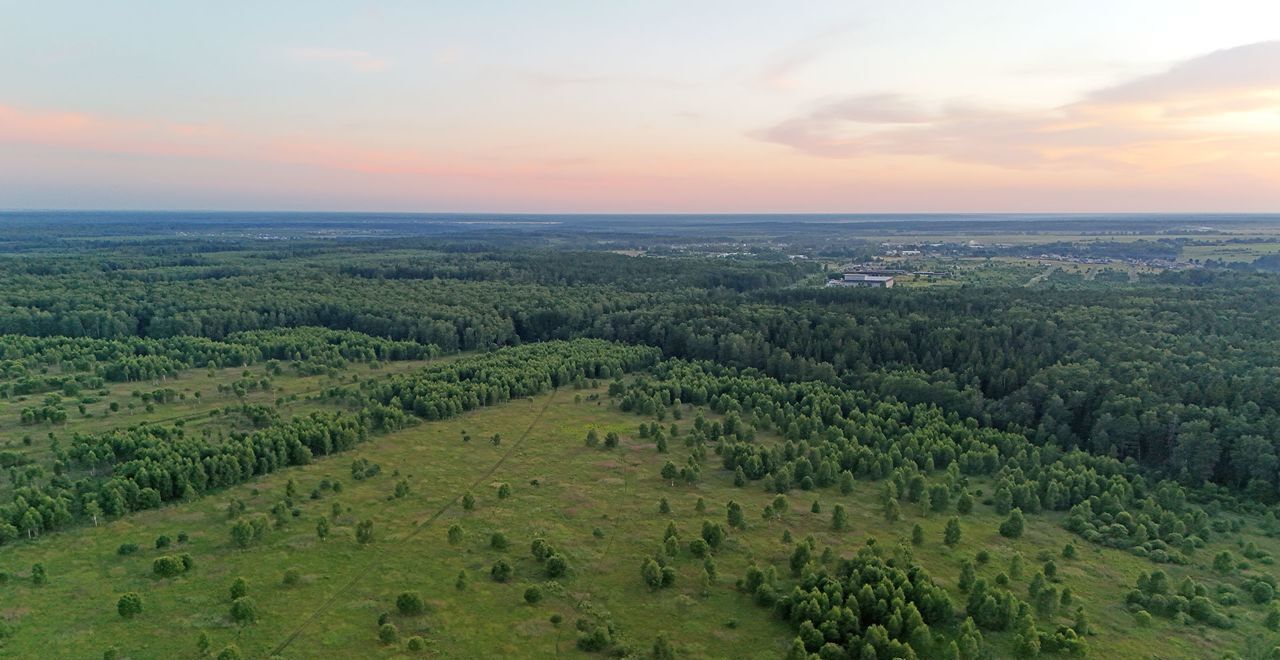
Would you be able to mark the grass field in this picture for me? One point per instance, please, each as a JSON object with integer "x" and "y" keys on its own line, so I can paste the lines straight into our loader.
{"x": 1230, "y": 252}
{"x": 561, "y": 491}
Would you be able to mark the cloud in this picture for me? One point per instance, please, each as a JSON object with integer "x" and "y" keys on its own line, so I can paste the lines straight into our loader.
{"x": 357, "y": 60}
{"x": 780, "y": 71}
{"x": 1218, "y": 107}
{"x": 1240, "y": 70}
{"x": 552, "y": 80}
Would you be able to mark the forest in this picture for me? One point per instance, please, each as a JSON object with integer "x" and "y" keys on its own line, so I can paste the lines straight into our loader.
{"x": 968, "y": 455}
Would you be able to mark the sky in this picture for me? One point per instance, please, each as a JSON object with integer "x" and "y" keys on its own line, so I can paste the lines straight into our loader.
{"x": 657, "y": 106}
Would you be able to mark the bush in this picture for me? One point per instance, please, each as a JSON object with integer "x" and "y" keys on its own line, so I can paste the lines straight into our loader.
{"x": 388, "y": 634}
{"x": 167, "y": 566}
{"x": 291, "y": 577}
{"x": 532, "y": 595}
{"x": 557, "y": 565}
{"x": 410, "y": 603}
{"x": 126, "y": 549}
{"x": 416, "y": 643}
{"x": 244, "y": 611}
{"x": 129, "y": 605}
{"x": 596, "y": 639}
{"x": 501, "y": 571}
{"x": 239, "y": 588}
{"x": 1013, "y": 526}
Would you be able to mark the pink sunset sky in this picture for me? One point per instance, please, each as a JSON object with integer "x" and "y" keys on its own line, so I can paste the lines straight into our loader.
{"x": 692, "y": 106}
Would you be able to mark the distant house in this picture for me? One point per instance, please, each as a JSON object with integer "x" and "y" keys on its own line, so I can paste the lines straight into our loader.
{"x": 863, "y": 279}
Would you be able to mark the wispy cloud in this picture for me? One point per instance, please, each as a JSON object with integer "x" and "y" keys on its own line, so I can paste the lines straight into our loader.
{"x": 1217, "y": 107}
{"x": 548, "y": 79}
{"x": 357, "y": 60}
{"x": 780, "y": 71}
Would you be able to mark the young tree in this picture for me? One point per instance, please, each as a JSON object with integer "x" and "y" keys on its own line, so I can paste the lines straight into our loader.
{"x": 651, "y": 573}
{"x": 839, "y": 518}
{"x": 501, "y": 571}
{"x": 964, "y": 505}
{"x": 735, "y": 516}
{"x": 239, "y": 588}
{"x": 967, "y": 576}
{"x": 532, "y": 595}
{"x": 670, "y": 472}
{"x": 846, "y": 482}
{"x": 455, "y": 534}
{"x": 129, "y": 605}
{"x": 410, "y": 603}
{"x": 712, "y": 533}
{"x": 917, "y": 535}
{"x": 242, "y": 533}
{"x": 322, "y": 529}
{"x": 244, "y": 611}
{"x": 1012, "y": 526}
{"x": 556, "y": 565}
{"x": 892, "y": 512}
{"x": 951, "y": 535}
{"x": 364, "y": 532}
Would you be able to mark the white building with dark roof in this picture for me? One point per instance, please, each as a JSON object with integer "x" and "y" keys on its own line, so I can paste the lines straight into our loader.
{"x": 863, "y": 279}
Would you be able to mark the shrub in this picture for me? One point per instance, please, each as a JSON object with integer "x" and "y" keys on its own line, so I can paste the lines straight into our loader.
{"x": 532, "y": 595}
{"x": 167, "y": 566}
{"x": 557, "y": 565}
{"x": 291, "y": 577}
{"x": 388, "y": 634}
{"x": 244, "y": 611}
{"x": 501, "y": 571}
{"x": 1012, "y": 527}
{"x": 410, "y": 603}
{"x": 239, "y": 588}
{"x": 416, "y": 643}
{"x": 129, "y": 605}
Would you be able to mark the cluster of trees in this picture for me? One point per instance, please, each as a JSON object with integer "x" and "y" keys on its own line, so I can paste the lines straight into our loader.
{"x": 869, "y": 608}
{"x": 1189, "y": 603}
{"x": 85, "y": 363}
{"x": 834, "y": 436}
{"x": 145, "y": 466}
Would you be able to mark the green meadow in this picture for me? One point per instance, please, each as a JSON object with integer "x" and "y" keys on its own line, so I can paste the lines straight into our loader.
{"x": 598, "y": 508}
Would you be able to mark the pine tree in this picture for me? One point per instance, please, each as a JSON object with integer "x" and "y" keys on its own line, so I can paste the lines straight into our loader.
{"x": 951, "y": 535}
